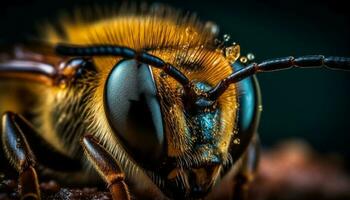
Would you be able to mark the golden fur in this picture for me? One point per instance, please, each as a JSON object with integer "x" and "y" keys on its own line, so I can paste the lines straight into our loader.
{"x": 176, "y": 38}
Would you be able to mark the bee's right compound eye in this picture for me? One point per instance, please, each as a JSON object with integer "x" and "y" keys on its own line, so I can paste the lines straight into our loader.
{"x": 133, "y": 111}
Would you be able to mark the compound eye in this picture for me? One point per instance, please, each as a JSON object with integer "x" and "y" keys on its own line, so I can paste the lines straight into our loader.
{"x": 133, "y": 110}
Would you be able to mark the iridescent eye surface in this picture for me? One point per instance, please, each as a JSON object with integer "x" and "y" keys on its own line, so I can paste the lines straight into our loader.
{"x": 133, "y": 110}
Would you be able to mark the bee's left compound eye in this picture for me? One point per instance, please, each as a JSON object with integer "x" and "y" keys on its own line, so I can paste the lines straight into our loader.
{"x": 133, "y": 110}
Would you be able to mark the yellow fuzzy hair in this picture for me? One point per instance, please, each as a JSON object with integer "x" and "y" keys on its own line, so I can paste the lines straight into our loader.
{"x": 176, "y": 38}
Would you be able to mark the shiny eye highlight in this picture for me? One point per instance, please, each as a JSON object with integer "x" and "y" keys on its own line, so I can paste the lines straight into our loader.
{"x": 133, "y": 110}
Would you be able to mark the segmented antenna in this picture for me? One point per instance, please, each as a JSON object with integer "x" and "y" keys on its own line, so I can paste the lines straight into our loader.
{"x": 310, "y": 61}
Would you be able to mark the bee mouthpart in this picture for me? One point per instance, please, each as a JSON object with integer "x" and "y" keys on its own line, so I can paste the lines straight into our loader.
{"x": 203, "y": 178}
{"x": 198, "y": 181}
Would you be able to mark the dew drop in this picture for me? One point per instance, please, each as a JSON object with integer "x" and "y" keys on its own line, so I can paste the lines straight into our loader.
{"x": 226, "y": 37}
{"x": 237, "y": 141}
{"x": 211, "y": 27}
{"x": 250, "y": 56}
{"x": 217, "y": 42}
{"x": 243, "y": 59}
{"x": 260, "y": 108}
{"x": 232, "y": 53}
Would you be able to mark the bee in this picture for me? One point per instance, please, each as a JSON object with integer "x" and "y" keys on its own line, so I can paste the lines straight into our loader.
{"x": 147, "y": 100}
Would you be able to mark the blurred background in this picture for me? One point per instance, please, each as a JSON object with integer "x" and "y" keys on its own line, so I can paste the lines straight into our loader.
{"x": 310, "y": 105}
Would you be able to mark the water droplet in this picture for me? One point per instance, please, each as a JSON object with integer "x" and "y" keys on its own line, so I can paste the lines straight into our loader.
{"x": 243, "y": 59}
{"x": 232, "y": 53}
{"x": 217, "y": 42}
{"x": 250, "y": 56}
{"x": 212, "y": 28}
{"x": 226, "y": 37}
{"x": 260, "y": 108}
{"x": 237, "y": 141}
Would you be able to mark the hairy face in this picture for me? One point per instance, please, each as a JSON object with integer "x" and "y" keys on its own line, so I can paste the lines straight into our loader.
{"x": 196, "y": 141}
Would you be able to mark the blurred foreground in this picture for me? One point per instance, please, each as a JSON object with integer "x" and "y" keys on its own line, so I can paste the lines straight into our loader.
{"x": 289, "y": 171}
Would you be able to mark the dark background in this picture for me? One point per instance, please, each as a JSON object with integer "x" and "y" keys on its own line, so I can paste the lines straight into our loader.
{"x": 310, "y": 104}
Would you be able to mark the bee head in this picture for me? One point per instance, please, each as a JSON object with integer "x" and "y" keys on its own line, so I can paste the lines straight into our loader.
{"x": 166, "y": 116}
{"x": 166, "y": 109}
{"x": 175, "y": 133}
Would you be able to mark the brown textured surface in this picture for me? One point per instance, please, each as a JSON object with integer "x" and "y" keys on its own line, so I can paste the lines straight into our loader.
{"x": 290, "y": 171}
{"x": 51, "y": 190}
